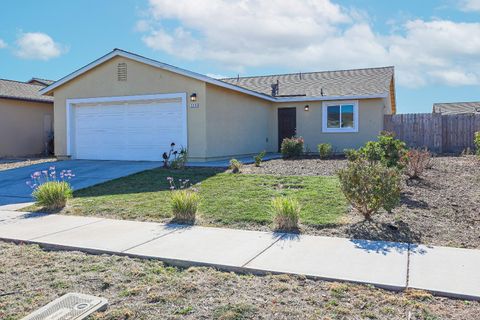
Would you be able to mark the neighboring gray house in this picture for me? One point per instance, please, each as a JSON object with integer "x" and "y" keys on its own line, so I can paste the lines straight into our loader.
{"x": 457, "y": 108}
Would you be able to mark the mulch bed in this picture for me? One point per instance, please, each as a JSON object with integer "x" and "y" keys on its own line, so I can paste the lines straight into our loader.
{"x": 147, "y": 289}
{"x": 441, "y": 208}
{"x": 6, "y": 164}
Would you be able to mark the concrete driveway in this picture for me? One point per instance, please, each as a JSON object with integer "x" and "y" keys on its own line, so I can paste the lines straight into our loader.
{"x": 13, "y": 188}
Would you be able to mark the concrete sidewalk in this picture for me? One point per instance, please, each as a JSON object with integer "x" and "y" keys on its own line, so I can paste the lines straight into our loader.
{"x": 396, "y": 266}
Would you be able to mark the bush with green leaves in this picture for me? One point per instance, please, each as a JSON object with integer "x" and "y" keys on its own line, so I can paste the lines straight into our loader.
{"x": 476, "y": 140}
{"x": 387, "y": 150}
{"x": 52, "y": 195}
{"x": 370, "y": 186}
{"x": 259, "y": 158}
{"x": 236, "y": 166}
{"x": 292, "y": 147}
{"x": 286, "y": 213}
{"x": 185, "y": 204}
{"x": 352, "y": 154}
{"x": 325, "y": 150}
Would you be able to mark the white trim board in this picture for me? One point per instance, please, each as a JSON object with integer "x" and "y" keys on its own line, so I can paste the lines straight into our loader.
{"x": 194, "y": 75}
{"x": 325, "y": 106}
{"x": 70, "y": 104}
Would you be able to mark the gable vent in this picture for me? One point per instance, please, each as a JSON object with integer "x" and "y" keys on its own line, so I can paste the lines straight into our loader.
{"x": 122, "y": 71}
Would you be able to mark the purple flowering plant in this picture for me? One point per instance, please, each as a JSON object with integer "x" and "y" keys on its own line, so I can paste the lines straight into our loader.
{"x": 38, "y": 178}
{"x": 181, "y": 184}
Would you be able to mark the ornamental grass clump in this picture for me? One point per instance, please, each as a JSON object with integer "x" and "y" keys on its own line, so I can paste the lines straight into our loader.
{"x": 49, "y": 190}
{"x": 370, "y": 186}
{"x": 184, "y": 201}
{"x": 286, "y": 213}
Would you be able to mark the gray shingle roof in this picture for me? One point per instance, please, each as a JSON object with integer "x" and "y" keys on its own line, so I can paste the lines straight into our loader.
{"x": 332, "y": 83}
{"x": 456, "y": 107}
{"x": 23, "y": 91}
{"x": 45, "y": 82}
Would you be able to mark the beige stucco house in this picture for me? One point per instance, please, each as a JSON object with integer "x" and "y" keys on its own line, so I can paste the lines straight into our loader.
{"x": 26, "y": 118}
{"x": 127, "y": 107}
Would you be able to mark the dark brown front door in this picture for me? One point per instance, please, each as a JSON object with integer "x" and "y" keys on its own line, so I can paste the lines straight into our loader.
{"x": 287, "y": 124}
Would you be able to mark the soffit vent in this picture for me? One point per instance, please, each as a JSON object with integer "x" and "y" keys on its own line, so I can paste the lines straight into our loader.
{"x": 122, "y": 71}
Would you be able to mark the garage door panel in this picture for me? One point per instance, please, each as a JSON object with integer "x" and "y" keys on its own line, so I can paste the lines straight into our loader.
{"x": 128, "y": 131}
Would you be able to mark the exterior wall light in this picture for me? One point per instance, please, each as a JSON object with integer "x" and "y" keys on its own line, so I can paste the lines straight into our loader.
{"x": 306, "y": 108}
{"x": 193, "y": 97}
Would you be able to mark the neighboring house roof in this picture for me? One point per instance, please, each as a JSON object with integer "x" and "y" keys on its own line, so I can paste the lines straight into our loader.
{"x": 10, "y": 89}
{"x": 359, "y": 87}
{"x": 456, "y": 107}
{"x": 371, "y": 81}
{"x": 40, "y": 81}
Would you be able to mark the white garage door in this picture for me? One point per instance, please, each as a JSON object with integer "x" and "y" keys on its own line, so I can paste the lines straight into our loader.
{"x": 133, "y": 129}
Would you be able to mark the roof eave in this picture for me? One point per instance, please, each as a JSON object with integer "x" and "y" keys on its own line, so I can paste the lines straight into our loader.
{"x": 128, "y": 55}
{"x": 191, "y": 74}
{"x": 332, "y": 98}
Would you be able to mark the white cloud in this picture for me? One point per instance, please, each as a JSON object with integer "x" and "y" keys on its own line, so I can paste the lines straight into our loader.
{"x": 470, "y": 5}
{"x": 312, "y": 35}
{"x": 3, "y": 44}
{"x": 37, "y": 46}
{"x": 216, "y": 76}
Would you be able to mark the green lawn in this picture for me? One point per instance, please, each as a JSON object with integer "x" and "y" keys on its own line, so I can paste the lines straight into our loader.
{"x": 226, "y": 199}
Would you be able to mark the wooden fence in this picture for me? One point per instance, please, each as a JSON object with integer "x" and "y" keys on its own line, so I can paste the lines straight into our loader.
{"x": 439, "y": 133}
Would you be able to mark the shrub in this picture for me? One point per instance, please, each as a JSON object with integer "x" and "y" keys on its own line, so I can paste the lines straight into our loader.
{"x": 292, "y": 147}
{"x": 387, "y": 150}
{"x": 393, "y": 150}
{"x": 259, "y": 158}
{"x": 286, "y": 213}
{"x": 417, "y": 161}
{"x": 236, "y": 166}
{"x": 352, "y": 154}
{"x": 52, "y": 195}
{"x": 325, "y": 150}
{"x": 370, "y": 186}
{"x": 476, "y": 140}
{"x": 185, "y": 204}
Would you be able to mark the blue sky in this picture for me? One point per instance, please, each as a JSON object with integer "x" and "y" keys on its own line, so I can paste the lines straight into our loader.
{"x": 434, "y": 45}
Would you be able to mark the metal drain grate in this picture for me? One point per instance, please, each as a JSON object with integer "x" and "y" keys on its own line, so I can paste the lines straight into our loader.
{"x": 72, "y": 306}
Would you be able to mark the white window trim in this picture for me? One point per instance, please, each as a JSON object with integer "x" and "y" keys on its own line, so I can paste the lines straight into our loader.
{"x": 327, "y": 104}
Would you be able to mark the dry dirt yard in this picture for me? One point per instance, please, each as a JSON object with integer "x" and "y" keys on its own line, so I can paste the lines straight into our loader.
{"x": 6, "y": 164}
{"x": 147, "y": 289}
{"x": 442, "y": 208}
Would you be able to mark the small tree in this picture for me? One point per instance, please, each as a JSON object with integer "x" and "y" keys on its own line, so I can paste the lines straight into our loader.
{"x": 370, "y": 186}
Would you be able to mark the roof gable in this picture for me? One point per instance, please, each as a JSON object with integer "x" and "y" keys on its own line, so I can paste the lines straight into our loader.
{"x": 257, "y": 86}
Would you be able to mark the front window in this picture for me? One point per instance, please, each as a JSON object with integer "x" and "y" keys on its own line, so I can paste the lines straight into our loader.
{"x": 340, "y": 117}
